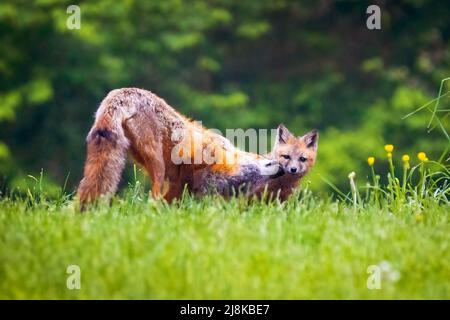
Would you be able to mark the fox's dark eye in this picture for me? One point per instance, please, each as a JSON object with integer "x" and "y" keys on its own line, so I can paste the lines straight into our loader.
{"x": 286, "y": 156}
{"x": 302, "y": 159}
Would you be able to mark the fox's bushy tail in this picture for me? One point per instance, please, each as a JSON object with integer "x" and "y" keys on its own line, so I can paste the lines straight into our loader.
{"x": 106, "y": 152}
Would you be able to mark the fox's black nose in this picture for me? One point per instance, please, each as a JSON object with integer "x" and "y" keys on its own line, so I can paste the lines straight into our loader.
{"x": 293, "y": 170}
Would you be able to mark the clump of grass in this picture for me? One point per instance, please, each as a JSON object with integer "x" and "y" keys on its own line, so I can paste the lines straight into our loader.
{"x": 425, "y": 181}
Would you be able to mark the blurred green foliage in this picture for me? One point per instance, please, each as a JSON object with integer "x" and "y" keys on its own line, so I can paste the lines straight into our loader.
{"x": 230, "y": 64}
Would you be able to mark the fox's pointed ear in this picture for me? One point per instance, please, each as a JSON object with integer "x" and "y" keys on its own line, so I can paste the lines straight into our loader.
{"x": 311, "y": 139}
{"x": 283, "y": 134}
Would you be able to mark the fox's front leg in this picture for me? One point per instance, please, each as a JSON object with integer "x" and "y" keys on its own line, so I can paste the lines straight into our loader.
{"x": 156, "y": 170}
{"x": 178, "y": 177}
{"x": 174, "y": 192}
{"x": 157, "y": 183}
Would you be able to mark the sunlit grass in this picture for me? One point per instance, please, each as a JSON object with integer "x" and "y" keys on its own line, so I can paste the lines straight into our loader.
{"x": 211, "y": 248}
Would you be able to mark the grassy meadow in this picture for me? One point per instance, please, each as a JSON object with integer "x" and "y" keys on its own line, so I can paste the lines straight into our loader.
{"x": 306, "y": 248}
{"x": 356, "y": 229}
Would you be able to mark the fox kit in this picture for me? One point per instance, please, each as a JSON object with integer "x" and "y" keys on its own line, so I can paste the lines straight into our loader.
{"x": 174, "y": 150}
{"x": 296, "y": 155}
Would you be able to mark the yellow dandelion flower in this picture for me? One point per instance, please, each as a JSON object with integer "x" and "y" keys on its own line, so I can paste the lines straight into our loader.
{"x": 370, "y": 161}
{"x": 422, "y": 156}
{"x": 389, "y": 148}
{"x": 405, "y": 158}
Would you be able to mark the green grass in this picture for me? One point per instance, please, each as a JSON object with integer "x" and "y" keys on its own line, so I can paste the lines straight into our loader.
{"x": 307, "y": 248}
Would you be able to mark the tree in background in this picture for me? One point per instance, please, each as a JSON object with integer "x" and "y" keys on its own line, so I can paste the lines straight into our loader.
{"x": 231, "y": 64}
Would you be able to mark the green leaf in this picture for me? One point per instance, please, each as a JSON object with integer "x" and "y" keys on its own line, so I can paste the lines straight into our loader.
{"x": 253, "y": 30}
{"x": 39, "y": 90}
{"x": 8, "y": 102}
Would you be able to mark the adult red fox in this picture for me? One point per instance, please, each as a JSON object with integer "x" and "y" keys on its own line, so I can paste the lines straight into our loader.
{"x": 175, "y": 151}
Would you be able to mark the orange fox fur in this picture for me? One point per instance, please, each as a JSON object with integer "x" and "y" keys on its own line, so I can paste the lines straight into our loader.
{"x": 138, "y": 122}
{"x": 296, "y": 156}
